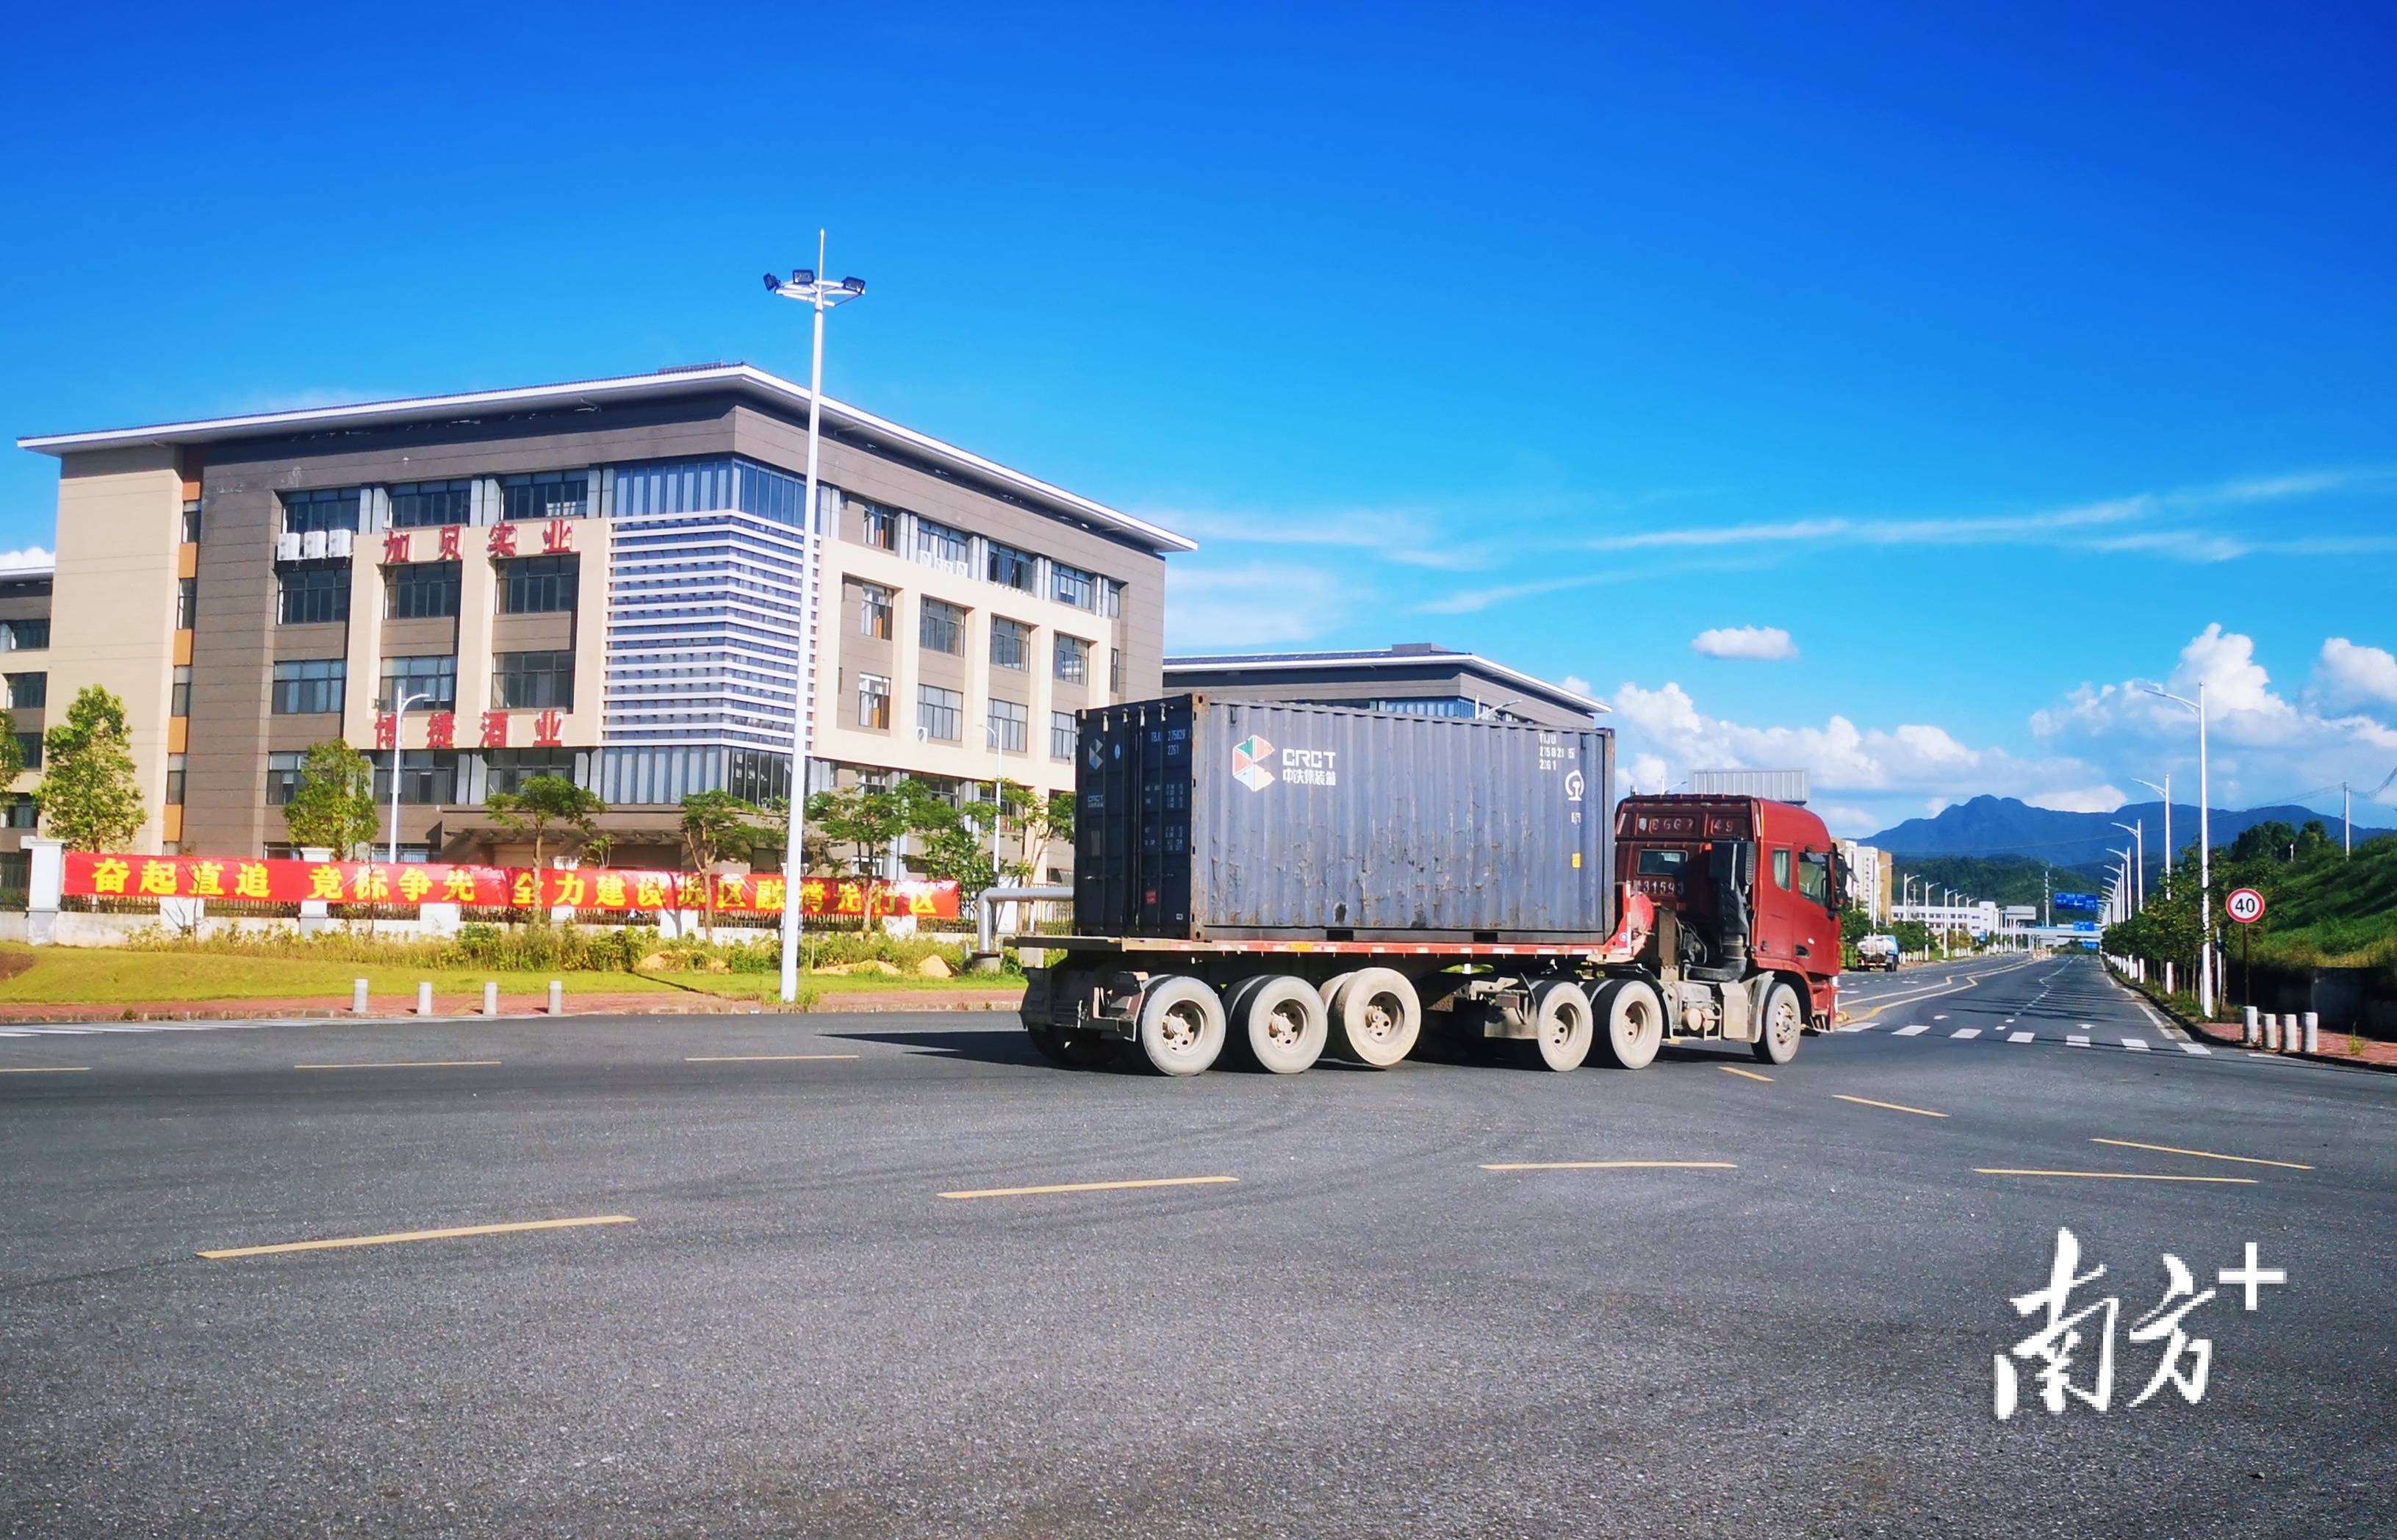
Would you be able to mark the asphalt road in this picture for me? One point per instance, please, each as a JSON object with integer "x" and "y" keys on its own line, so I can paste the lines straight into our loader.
{"x": 1369, "y": 1332}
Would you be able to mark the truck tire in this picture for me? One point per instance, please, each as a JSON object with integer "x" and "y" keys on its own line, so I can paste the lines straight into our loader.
{"x": 1283, "y": 1021}
{"x": 1563, "y": 1024}
{"x": 1784, "y": 1023}
{"x": 1630, "y": 1023}
{"x": 1181, "y": 1025}
{"x": 1376, "y": 1017}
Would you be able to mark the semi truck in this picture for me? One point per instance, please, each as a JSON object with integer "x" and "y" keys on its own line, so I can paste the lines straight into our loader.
{"x": 1279, "y": 882}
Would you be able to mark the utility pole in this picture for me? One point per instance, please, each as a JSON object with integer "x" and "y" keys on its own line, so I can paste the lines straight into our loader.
{"x": 2346, "y": 820}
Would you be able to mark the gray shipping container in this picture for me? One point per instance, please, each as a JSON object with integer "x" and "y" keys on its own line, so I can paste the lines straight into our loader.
{"x": 1199, "y": 819}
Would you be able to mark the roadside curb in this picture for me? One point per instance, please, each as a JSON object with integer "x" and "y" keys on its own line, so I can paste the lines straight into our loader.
{"x": 2226, "y": 1034}
{"x": 877, "y": 1002}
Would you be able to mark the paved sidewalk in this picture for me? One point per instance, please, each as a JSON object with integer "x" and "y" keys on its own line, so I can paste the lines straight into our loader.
{"x": 2334, "y": 1045}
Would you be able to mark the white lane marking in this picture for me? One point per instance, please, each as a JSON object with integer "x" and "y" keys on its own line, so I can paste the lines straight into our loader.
{"x": 2022, "y": 1037}
{"x": 2195, "y": 1047}
{"x": 1965, "y": 1032}
{"x": 2136, "y": 1045}
{"x": 1908, "y": 1031}
{"x": 2075, "y": 1039}
{"x": 1938, "y": 1018}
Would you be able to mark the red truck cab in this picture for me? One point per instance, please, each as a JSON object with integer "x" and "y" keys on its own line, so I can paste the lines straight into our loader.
{"x": 1754, "y": 886}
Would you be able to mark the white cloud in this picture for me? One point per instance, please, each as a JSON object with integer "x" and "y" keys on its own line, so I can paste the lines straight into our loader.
{"x": 1665, "y": 730}
{"x": 1759, "y": 643}
{"x": 1578, "y": 685}
{"x": 1244, "y": 608}
{"x": 32, "y": 556}
{"x": 1405, "y": 536}
{"x": 2349, "y": 672}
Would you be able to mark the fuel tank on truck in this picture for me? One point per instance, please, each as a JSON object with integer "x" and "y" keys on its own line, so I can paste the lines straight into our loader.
{"x": 1201, "y": 819}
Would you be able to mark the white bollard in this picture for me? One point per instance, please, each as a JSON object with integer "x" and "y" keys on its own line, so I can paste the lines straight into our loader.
{"x": 2247, "y": 1031}
{"x": 424, "y": 999}
{"x": 2271, "y": 1033}
{"x": 490, "y": 999}
{"x": 357, "y": 997}
{"x": 557, "y": 998}
{"x": 2313, "y": 1032}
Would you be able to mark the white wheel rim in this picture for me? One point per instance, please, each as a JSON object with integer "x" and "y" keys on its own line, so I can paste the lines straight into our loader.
{"x": 1181, "y": 1028}
{"x": 1285, "y": 1025}
{"x": 1382, "y": 1018}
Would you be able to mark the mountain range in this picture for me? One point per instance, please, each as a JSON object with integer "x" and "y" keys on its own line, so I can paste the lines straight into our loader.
{"x": 2002, "y": 825}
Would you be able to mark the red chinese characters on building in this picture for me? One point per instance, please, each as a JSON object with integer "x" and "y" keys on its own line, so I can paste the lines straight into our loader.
{"x": 558, "y": 536}
{"x": 395, "y": 548}
{"x": 450, "y": 536}
{"x": 549, "y": 730}
{"x": 495, "y": 729}
{"x": 441, "y": 731}
{"x": 386, "y": 729}
{"x": 502, "y": 540}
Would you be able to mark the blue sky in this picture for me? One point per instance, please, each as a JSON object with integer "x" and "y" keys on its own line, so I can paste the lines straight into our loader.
{"x": 1993, "y": 354}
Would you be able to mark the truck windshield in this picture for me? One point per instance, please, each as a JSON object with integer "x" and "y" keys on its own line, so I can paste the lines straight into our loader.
{"x": 1814, "y": 876}
{"x": 1662, "y": 862}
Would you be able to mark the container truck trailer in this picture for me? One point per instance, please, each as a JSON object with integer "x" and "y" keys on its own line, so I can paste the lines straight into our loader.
{"x": 1282, "y": 882}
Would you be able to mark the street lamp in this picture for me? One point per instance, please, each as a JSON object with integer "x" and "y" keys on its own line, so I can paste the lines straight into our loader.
{"x": 997, "y": 792}
{"x": 2204, "y": 854}
{"x": 398, "y": 715}
{"x": 2164, "y": 791}
{"x": 2121, "y": 884}
{"x": 818, "y": 295}
{"x": 2137, "y": 830}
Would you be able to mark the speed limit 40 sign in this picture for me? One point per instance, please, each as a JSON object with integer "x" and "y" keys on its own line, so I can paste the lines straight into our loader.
{"x": 2244, "y": 904}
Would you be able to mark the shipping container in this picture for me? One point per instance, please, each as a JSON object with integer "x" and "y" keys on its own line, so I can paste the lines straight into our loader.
{"x": 1201, "y": 819}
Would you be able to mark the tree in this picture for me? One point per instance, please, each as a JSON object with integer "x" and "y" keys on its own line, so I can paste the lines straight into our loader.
{"x": 1039, "y": 821}
{"x": 599, "y": 845}
{"x": 715, "y": 826}
{"x": 12, "y": 751}
{"x": 333, "y": 805}
{"x": 954, "y": 852}
{"x": 868, "y": 820}
{"x": 544, "y": 802}
{"x": 87, "y": 797}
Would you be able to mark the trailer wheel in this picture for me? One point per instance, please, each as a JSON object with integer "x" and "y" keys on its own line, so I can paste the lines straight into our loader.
{"x": 1181, "y": 1025}
{"x": 1634, "y": 1021}
{"x": 1563, "y": 1024}
{"x": 1785, "y": 1019}
{"x": 1377, "y": 1016}
{"x": 1283, "y": 1021}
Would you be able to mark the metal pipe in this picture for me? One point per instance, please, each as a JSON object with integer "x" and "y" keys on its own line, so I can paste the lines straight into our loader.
{"x": 986, "y": 922}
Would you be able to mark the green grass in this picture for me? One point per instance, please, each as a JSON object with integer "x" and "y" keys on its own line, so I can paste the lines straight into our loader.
{"x": 67, "y": 975}
{"x": 766, "y": 987}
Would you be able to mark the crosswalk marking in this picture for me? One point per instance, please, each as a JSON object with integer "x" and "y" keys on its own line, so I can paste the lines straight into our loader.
{"x": 2021, "y": 1037}
{"x": 1909, "y": 1031}
{"x": 2075, "y": 1039}
{"x": 2136, "y": 1045}
{"x": 1965, "y": 1032}
{"x": 2195, "y": 1047}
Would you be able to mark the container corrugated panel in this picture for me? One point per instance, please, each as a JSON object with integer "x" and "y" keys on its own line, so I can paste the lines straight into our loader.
{"x": 1229, "y": 818}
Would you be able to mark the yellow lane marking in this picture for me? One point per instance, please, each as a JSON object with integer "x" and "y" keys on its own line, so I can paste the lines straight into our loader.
{"x": 2203, "y": 1155}
{"x": 416, "y": 1234}
{"x": 1094, "y": 1187}
{"x": 2117, "y": 1176}
{"x": 46, "y": 1069}
{"x": 1892, "y": 1106}
{"x": 1615, "y": 1165}
{"x": 413, "y": 1064}
{"x": 762, "y": 1058}
{"x": 1744, "y": 1073}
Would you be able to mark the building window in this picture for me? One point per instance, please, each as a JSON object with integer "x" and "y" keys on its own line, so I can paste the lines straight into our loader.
{"x": 872, "y": 701}
{"x": 533, "y": 682}
{"x": 938, "y": 545}
{"x": 178, "y": 699}
{"x": 1011, "y": 566}
{"x": 309, "y": 688}
{"x": 31, "y": 744}
{"x": 1064, "y": 734}
{"x": 320, "y": 510}
{"x": 942, "y": 628}
{"x": 878, "y": 528}
{"x": 1010, "y": 644}
{"x": 20, "y": 812}
{"x": 545, "y": 494}
{"x": 24, "y": 636}
{"x": 508, "y": 769}
{"x": 540, "y": 585}
{"x": 28, "y": 691}
{"x": 174, "y": 780}
{"x": 420, "y": 504}
{"x": 1072, "y": 660}
{"x": 1110, "y": 598}
{"x": 427, "y": 777}
{"x": 874, "y": 612}
{"x": 282, "y": 777}
{"x": 435, "y": 678}
{"x": 187, "y": 602}
{"x": 1071, "y": 585}
{"x": 421, "y": 591}
{"x": 1010, "y": 726}
{"x": 314, "y": 595}
{"x": 939, "y": 714}
{"x": 1115, "y": 672}
{"x": 192, "y": 521}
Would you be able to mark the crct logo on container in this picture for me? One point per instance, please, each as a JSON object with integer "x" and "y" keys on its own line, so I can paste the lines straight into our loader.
{"x": 1248, "y": 762}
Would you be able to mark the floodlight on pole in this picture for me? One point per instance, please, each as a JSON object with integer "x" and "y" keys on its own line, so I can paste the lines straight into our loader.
{"x": 818, "y": 297}
{"x": 2204, "y": 853}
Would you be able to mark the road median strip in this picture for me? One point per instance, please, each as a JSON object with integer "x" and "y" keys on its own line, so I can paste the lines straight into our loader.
{"x": 228, "y": 1253}
{"x": 1892, "y": 1106}
{"x": 1094, "y": 1186}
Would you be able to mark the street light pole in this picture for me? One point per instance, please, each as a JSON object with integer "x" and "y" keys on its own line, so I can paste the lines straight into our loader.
{"x": 2137, "y": 830}
{"x": 2204, "y": 854}
{"x": 399, "y": 717}
{"x": 819, "y": 294}
{"x": 2164, "y": 791}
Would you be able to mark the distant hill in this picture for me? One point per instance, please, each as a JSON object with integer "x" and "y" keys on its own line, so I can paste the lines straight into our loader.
{"x": 2002, "y": 825}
